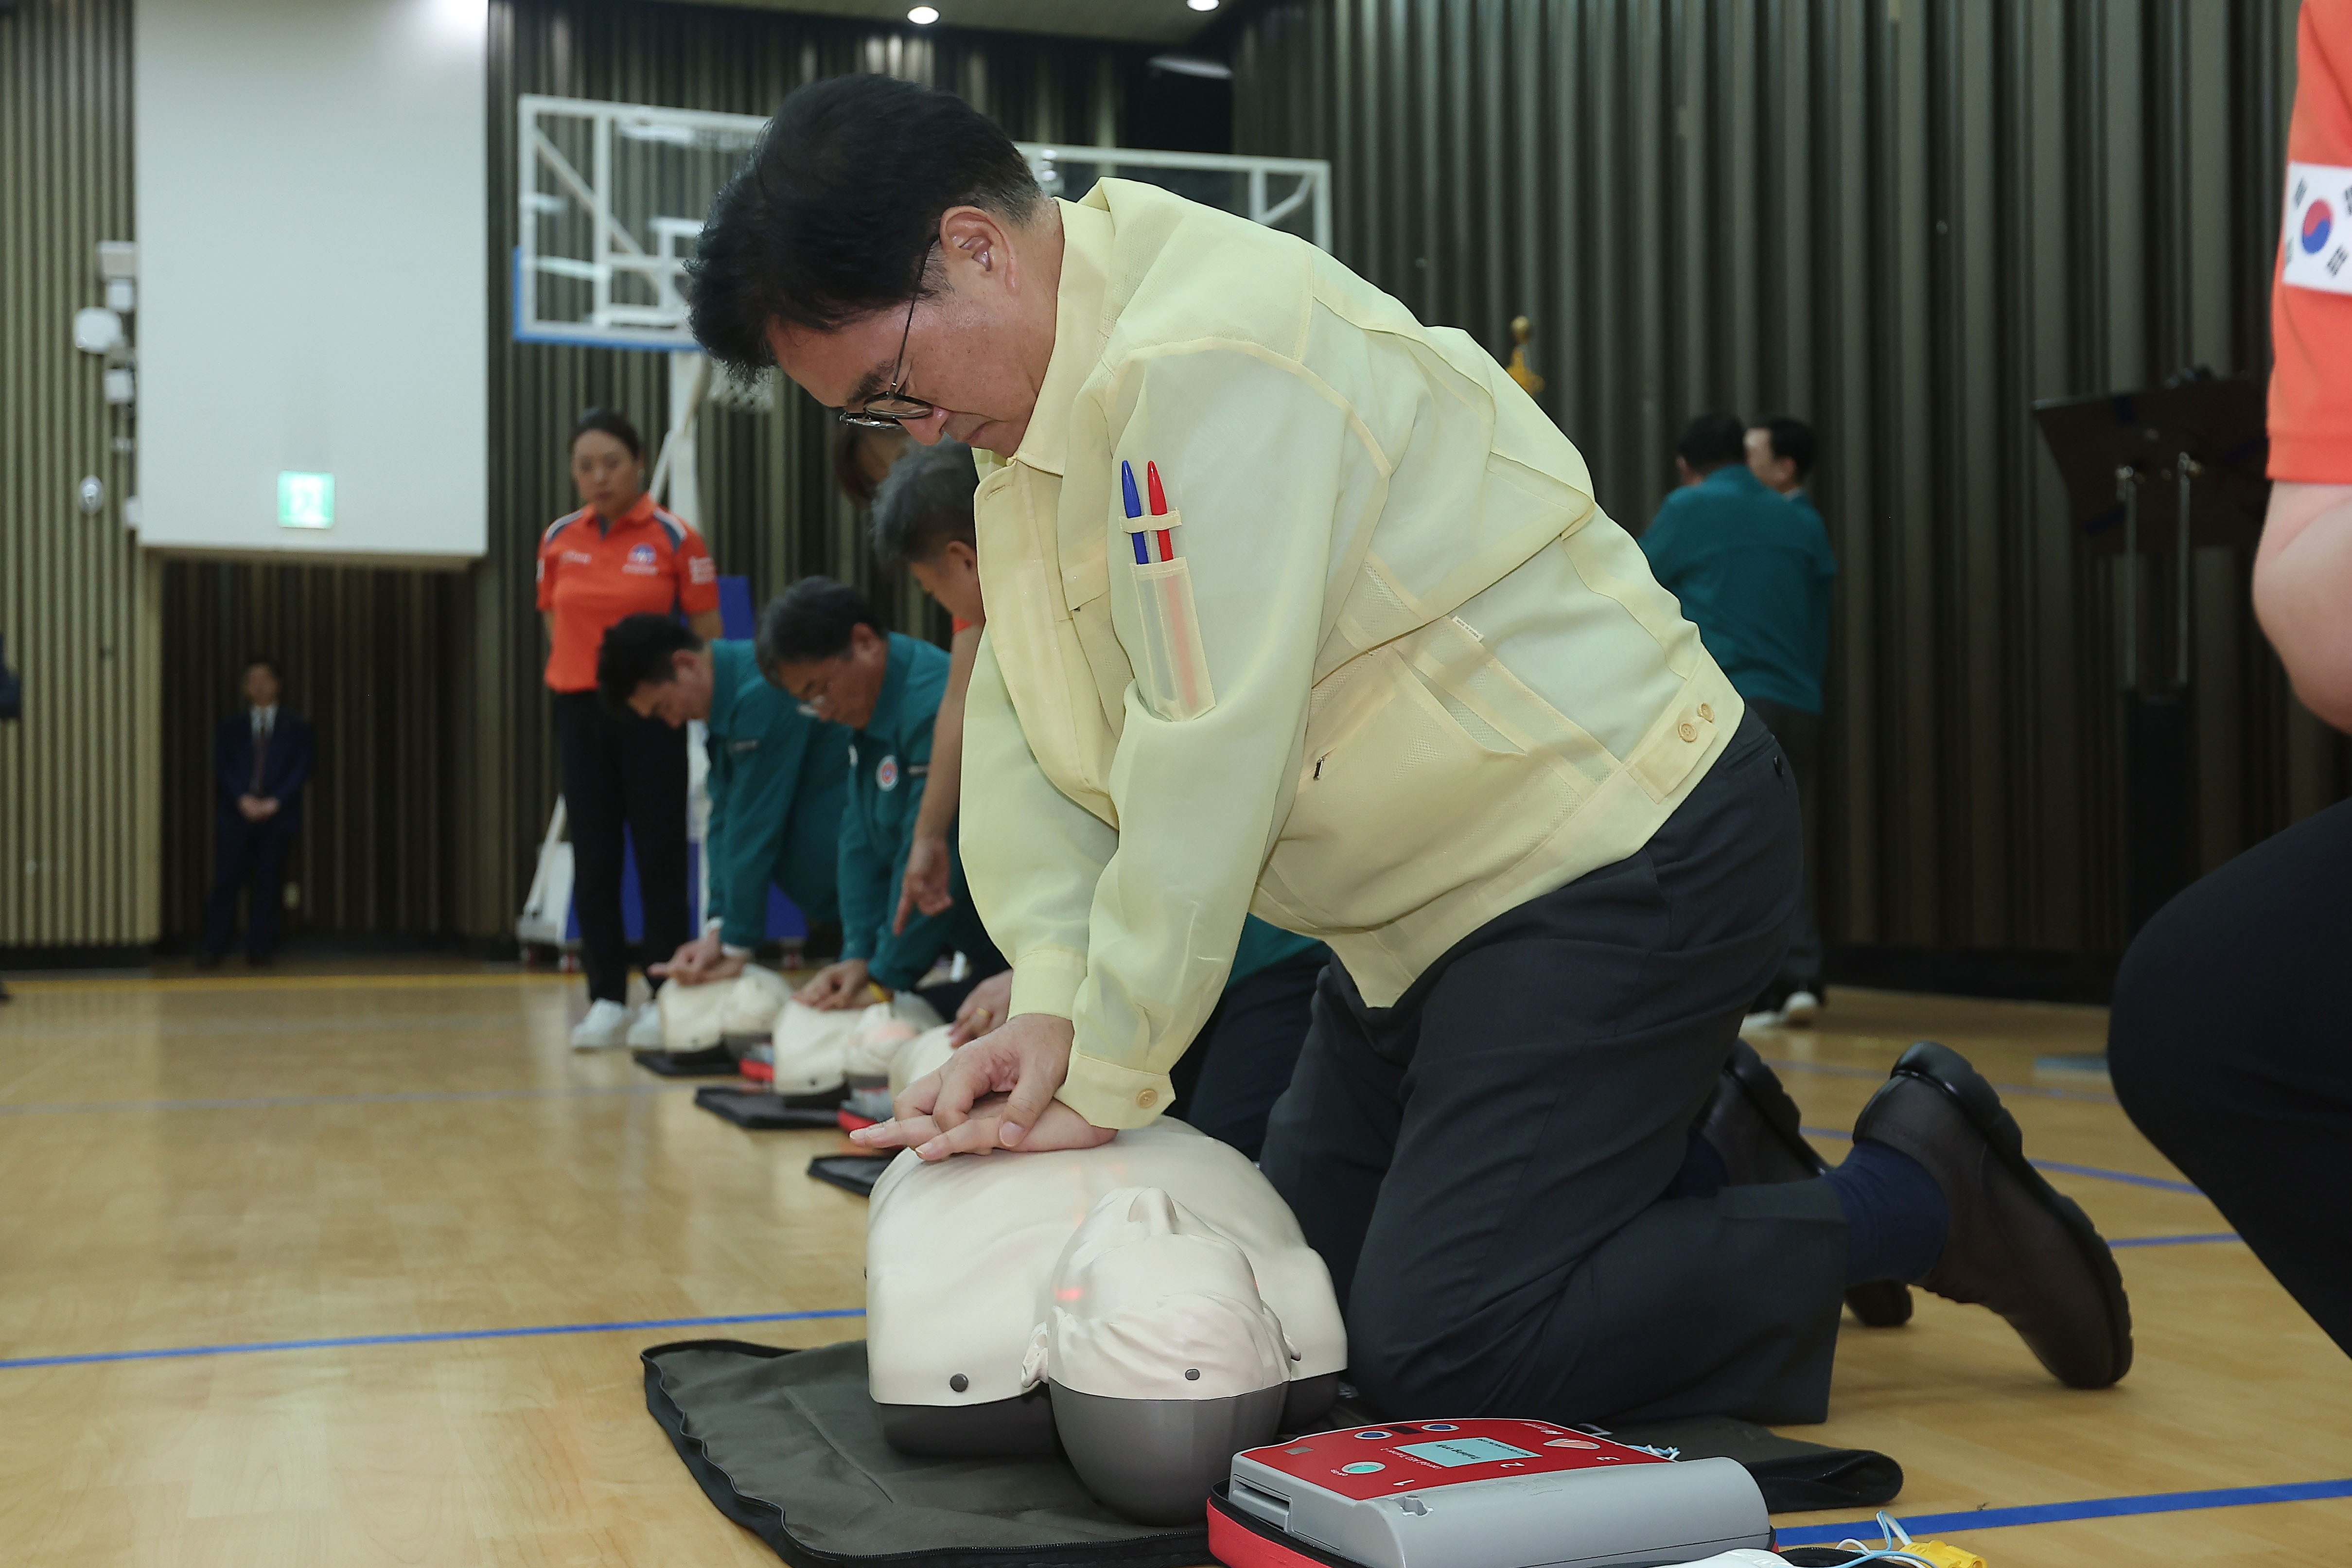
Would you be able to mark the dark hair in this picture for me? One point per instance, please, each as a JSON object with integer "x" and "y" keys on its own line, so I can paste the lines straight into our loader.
{"x": 833, "y": 215}
{"x": 616, "y": 425}
{"x": 1793, "y": 440}
{"x": 849, "y": 459}
{"x": 1711, "y": 441}
{"x": 265, "y": 662}
{"x": 812, "y": 620}
{"x": 636, "y": 649}
{"x": 924, "y": 503}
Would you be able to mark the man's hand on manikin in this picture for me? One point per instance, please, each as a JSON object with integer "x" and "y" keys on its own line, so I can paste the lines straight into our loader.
{"x": 995, "y": 1093}
{"x": 838, "y": 987}
{"x": 702, "y": 962}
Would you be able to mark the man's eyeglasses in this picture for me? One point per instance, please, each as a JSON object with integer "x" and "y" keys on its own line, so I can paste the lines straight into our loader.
{"x": 892, "y": 407}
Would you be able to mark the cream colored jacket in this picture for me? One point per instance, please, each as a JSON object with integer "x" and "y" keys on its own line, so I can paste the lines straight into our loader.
{"x": 1401, "y": 675}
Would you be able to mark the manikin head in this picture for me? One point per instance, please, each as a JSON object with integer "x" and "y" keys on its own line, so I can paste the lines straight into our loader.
{"x": 823, "y": 642}
{"x": 886, "y": 239}
{"x": 922, "y": 517}
{"x": 655, "y": 667}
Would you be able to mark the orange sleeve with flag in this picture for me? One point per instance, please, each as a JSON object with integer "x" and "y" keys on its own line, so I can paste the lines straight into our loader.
{"x": 2311, "y": 299}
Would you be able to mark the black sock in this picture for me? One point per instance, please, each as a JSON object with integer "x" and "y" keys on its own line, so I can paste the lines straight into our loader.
{"x": 1895, "y": 1217}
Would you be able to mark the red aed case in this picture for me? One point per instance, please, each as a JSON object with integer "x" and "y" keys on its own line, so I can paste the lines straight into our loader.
{"x": 1477, "y": 1493}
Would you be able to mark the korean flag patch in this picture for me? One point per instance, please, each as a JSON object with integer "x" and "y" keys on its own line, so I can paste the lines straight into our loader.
{"x": 886, "y": 774}
{"x": 2318, "y": 238}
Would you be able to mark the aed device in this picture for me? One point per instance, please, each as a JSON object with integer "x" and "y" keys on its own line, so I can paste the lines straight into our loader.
{"x": 1478, "y": 1493}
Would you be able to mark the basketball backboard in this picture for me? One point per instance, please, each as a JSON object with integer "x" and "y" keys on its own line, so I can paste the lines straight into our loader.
{"x": 613, "y": 196}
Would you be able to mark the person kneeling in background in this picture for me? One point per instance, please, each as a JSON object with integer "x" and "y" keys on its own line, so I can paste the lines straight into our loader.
{"x": 778, "y": 781}
{"x": 823, "y": 642}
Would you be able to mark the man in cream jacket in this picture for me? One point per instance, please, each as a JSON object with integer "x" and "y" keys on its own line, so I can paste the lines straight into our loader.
{"x": 1302, "y": 608}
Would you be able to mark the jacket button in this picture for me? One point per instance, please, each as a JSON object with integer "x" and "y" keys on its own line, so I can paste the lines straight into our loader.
{"x": 1707, "y": 713}
{"x": 1689, "y": 730}
{"x": 1147, "y": 1098}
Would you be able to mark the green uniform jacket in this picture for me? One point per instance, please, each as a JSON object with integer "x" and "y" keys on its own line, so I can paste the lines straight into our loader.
{"x": 778, "y": 779}
{"x": 1753, "y": 571}
{"x": 889, "y": 764}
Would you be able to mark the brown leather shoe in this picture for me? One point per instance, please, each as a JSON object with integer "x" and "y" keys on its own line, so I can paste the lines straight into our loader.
{"x": 1756, "y": 1131}
{"x": 2015, "y": 1244}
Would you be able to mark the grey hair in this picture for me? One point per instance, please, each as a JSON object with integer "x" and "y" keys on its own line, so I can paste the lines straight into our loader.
{"x": 924, "y": 502}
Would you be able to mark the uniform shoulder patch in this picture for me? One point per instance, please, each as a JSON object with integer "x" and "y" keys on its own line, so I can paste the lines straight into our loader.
{"x": 885, "y": 774}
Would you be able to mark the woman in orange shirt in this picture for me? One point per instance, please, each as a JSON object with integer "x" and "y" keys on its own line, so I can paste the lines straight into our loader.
{"x": 619, "y": 556}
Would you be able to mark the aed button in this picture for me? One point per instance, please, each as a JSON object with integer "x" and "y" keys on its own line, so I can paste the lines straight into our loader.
{"x": 1362, "y": 1468}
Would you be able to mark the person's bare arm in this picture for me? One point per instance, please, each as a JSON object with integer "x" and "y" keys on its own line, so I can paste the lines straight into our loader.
{"x": 706, "y": 625}
{"x": 926, "y": 884}
{"x": 2303, "y": 592}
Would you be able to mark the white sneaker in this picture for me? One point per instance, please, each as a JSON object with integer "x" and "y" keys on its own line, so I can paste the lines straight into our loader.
{"x": 602, "y": 1029}
{"x": 1801, "y": 1008}
{"x": 644, "y": 1028}
{"x": 1767, "y": 1019}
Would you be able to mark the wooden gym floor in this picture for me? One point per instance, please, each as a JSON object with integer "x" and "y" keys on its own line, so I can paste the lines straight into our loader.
{"x": 346, "y": 1270}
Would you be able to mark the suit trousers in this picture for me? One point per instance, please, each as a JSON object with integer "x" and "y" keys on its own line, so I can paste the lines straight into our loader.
{"x": 1799, "y": 734}
{"x": 623, "y": 771}
{"x": 1484, "y": 1165}
{"x": 2230, "y": 1049}
{"x": 1242, "y": 1058}
{"x": 245, "y": 849}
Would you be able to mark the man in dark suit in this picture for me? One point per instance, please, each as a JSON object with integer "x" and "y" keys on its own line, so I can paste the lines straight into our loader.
{"x": 261, "y": 760}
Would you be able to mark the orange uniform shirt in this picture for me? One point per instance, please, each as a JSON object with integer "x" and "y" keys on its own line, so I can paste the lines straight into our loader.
{"x": 648, "y": 563}
{"x": 2311, "y": 299}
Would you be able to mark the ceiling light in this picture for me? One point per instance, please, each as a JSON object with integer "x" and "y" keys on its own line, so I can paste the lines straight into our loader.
{"x": 1201, "y": 4}
{"x": 923, "y": 16}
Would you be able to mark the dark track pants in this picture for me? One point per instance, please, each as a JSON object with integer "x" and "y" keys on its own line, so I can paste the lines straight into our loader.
{"x": 2231, "y": 1048}
{"x": 243, "y": 849}
{"x": 1482, "y": 1164}
{"x": 1227, "y": 1083}
{"x": 623, "y": 771}
{"x": 1799, "y": 734}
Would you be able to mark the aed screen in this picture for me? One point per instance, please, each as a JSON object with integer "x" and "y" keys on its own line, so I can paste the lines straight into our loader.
{"x": 1465, "y": 1451}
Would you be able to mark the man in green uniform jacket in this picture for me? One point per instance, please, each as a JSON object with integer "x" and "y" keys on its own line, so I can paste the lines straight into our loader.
{"x": 778, "y": 779}
{"x": 824, "y": 643}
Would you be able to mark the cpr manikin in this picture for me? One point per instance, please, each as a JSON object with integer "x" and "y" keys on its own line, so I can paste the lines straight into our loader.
{"x": 738, "y": 1014}
{"x": 815, "y": 1052}
{"x": 1151, "y": 1301}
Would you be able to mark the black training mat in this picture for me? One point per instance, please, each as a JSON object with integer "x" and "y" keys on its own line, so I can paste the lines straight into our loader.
{"x": 711, "y": 1061}
{"x": 851, "y": 1172}
{"x": 788, "y": 1445}
{"x": 759, "y": 1109}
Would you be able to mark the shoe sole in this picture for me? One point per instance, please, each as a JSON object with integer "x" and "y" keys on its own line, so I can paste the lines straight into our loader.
{"x": 1945, "y": 1070}
{"x": 1879, "y": 1304}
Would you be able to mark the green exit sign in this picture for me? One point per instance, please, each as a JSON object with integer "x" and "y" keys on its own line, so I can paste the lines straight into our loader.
{"x": 306, "y": 500}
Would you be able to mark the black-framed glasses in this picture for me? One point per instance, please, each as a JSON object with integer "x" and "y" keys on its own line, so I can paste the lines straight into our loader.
{"x": 891, "y": 408}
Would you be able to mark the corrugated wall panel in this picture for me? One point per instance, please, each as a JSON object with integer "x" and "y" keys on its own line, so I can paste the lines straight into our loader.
{"x": 1904, "y": 221}
{"x": 79, "y": 864}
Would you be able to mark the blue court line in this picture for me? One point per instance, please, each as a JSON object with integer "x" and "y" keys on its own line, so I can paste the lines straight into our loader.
{"x": 279, "y": 1101}
{"x": 2176, "y": 1240}
{"x": 2129, "y": 1178}
{"x": 22, "y": 1362}
{"x": 2037, "y": 1090}
{"x": 1933, "y": 1524}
